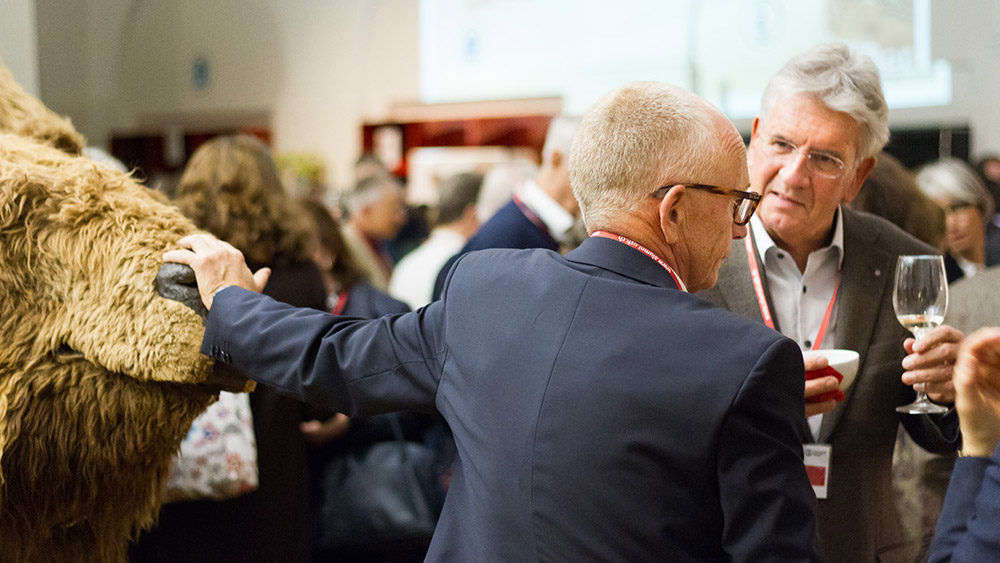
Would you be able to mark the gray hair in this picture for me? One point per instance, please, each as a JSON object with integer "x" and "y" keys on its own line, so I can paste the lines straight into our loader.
{"x": 456, "y": 194}
{"x": 841, "y": 79}
{"x": 954, "y": 179}
{"x": 634, "y": 140}
{"x": 560, "y": 135}
{"x": 368, "y": 191}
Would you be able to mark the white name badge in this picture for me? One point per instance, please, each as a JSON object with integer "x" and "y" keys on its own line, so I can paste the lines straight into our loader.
{"x": 817, "y": 459}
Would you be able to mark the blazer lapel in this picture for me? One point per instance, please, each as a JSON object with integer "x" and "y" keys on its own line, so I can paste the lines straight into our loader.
{"x": 865, "y": 276}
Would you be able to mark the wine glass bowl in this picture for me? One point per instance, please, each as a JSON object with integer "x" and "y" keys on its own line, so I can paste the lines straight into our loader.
{"x": 920, "y": 299}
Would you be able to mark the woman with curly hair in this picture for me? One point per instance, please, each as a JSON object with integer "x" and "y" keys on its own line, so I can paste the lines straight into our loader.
{"x": 231, "y": 188}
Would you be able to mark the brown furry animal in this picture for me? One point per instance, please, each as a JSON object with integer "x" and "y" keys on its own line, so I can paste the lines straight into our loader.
{"x": 25, "y": 115}
{"x": 100, "y": 377}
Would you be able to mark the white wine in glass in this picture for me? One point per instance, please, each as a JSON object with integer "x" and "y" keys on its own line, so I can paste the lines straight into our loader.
{"x": 920, "y": 298}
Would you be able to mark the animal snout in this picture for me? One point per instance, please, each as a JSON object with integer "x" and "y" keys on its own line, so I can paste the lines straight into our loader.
{"x": 177, "y": 282}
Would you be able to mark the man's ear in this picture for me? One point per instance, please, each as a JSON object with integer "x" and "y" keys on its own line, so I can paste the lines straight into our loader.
{"x": 860, "y": 175}
{"x": 671, "y": 211}
{"x": 557, "y": 158}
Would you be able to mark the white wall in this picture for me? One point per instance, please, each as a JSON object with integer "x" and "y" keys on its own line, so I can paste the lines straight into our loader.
{"x": 314, "y": 70}
{"x": 18, "y": 46}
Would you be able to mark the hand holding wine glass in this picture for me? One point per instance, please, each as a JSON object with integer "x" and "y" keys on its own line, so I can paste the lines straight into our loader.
{"x": 920, "y": 298}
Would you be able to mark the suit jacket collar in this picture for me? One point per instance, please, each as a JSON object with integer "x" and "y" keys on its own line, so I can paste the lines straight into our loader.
{"x": 866, "y": 276}
{"x": 623, "y": 260}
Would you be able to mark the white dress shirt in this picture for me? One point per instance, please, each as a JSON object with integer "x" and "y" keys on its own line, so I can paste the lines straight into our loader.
{"x": 800, "y": 299}
{"x": 413, "y": 277}
{"x": 556, "y": 218}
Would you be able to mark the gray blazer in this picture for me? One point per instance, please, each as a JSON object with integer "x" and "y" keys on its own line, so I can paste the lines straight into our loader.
{"x": 858, "y": 521}
{"x": 975, "y": 302}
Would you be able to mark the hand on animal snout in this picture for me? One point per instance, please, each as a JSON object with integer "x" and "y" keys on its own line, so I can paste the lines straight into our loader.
{"x": 216, "y": 264}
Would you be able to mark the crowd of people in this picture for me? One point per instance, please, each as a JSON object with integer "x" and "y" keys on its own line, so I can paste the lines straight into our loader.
{"x": 635, "y": 394}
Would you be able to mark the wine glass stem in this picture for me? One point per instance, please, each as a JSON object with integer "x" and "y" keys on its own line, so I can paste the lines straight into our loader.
{"x": 922, "y": 397}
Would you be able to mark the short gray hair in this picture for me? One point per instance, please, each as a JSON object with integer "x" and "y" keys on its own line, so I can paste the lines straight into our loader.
{"x": 632, "y": 141}
{"x": 368, "y": 191}
{"x": 954, "y": 179}
{"x": 841, "y": 79}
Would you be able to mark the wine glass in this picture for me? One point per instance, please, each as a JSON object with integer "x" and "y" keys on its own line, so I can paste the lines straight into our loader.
{"x": 920, "y": 299}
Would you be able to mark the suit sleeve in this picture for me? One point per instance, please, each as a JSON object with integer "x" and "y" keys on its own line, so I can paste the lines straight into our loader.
{"x": 347, "y": 364}
{"x": 969, "y": 526}
{"x": 768, "y": 504}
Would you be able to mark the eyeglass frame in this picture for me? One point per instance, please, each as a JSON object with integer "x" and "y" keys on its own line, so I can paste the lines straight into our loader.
{"x": 769, "y": 148}
{"x": 752, "y": 197}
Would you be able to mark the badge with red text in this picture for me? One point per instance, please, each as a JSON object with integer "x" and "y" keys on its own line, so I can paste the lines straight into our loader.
{"x": 817, "y": 459}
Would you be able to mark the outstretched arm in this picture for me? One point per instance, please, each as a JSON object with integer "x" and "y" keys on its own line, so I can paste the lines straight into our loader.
{"x": 216, "y": 264}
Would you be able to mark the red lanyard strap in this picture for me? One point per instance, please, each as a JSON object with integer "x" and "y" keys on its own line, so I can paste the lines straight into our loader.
{"x": 532, "y": 216}
{"x": 644, "y": 250}
{"x": 765, "y": 311}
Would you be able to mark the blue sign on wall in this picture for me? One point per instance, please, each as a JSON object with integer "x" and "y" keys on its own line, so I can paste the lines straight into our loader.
{"x": 201, "y": 73}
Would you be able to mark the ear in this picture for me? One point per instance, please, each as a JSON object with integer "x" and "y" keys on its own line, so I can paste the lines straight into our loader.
{"x": 864, "y": 169}
{"x": 754, "y": 129}
{"x": 557, "y": 158}
{"x": 671, "y": 212}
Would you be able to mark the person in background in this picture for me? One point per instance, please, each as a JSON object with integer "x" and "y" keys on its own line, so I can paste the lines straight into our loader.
{"x": 824, "y": 276}
{"x": 231, "y": 188}
{"x": 891, "y": 192}
{"x": 413, "y": 277}
{"x": 600, "y": 411}
{"x": 334, "y": 435}
{"x": 376, "y": 212}
{"x": 969, "y": 528}
{"x": 500, "y": 183}
{"x": 538, "y": 216}
{"x": 968, "y": 207}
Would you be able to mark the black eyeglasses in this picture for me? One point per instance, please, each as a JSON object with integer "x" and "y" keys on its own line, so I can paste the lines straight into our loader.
{"x": 746, "y": 202}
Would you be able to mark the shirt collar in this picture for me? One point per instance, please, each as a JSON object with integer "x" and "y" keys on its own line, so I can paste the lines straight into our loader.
{"x": 556, "y": 219}
{"x": 764, "y": 241}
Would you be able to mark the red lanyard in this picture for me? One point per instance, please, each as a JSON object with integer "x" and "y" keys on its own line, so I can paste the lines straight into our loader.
{"x": 532, "y": 216}
{"x": 765, "y": 311}
{"x": 644, "y": 250}
{"x": 338, "y": 307}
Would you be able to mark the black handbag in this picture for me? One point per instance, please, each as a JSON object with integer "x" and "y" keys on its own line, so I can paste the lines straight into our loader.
{"x": 388, "y": 492}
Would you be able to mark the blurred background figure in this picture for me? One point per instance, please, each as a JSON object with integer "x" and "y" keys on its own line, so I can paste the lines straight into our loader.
{"x": 334, "y": 435}
{"x": 968, "y": 207}
{"x": 891, "y": 192}
{"x": 542, "y": 213}
{"x": 231, "y": 188}
{"x": 500, "y": 183}
{"x": 413, "y": 277}
{"x": 376, "y": 211}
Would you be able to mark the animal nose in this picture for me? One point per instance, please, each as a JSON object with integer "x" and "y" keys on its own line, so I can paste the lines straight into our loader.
{"x": 177, "y": 282}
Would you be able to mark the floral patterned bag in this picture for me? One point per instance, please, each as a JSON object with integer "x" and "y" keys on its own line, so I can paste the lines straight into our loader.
{"x": 218, "y": 457}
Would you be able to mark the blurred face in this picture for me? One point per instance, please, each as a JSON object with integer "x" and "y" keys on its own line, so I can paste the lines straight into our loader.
{"x": 800, "y": 193}
{"x": 965, "y": 234}
{"x": 383, "y": 219}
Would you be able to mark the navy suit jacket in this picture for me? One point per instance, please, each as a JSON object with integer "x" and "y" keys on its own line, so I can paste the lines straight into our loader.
{"x": 969, "y": 526}
{"x": 599, "y": 413}
{"x": 507, "y": 228}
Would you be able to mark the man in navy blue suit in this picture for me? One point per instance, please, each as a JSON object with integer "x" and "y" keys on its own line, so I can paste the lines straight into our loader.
{"x": 601, "y": 412}
{"x": 541, "y": 213}
{"x": 969, "y": 526}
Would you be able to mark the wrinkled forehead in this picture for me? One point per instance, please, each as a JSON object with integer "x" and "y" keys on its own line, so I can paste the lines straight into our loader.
{"x": 805, "y": 119}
